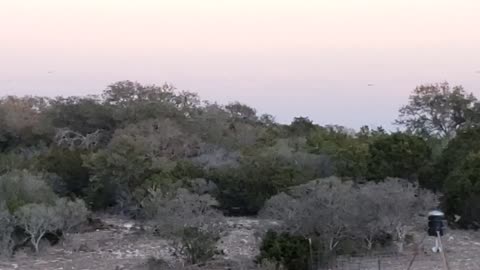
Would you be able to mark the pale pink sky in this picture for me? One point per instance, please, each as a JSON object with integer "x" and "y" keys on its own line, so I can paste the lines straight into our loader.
{"x": 285, "y": 57}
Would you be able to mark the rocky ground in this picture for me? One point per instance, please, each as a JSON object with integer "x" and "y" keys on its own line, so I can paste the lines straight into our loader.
{"x": 122, "y": 245}
{"x": 462, "y": 249}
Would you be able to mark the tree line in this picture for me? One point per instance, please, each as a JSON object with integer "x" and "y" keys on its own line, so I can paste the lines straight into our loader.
{"x": 133, "y": 143}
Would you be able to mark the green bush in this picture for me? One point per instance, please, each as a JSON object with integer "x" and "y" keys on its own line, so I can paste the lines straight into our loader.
{"x": 70, "y": 214}
{"x": 153, "y": 263}
{"x": 466, "y": 142}
{"x": 19, "y": 159}
{"x": 6, "y": 230}
{"x": 18, "y": 188}
{"x": 268, "y": 265}
{"x": 397, "y": 155}
{"x": 462, "y": 192}
{"x": 38, "y": 220}
{"x": 293, "y": 252}
{"x": 333, "y": 211}
{"x": 198, "y": 246}
{"x": 244, "y": 190}
{"x": 29, "y": 204}
{"x": 188, "y": 220}
{"x": 68, "y": 166}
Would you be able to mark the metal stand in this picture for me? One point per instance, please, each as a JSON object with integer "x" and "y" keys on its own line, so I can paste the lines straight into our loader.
{"x": 445, "y": 262}
{"x": 437, "y": 249}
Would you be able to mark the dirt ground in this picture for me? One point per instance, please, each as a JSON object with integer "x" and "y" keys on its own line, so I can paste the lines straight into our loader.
{"x": 109, "y": 250}
{"x": 123, "y": 246}
{"x": 462, "y": 250}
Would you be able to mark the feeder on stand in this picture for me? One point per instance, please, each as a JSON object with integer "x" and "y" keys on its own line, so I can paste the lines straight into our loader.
{"x": 436, "y": 228}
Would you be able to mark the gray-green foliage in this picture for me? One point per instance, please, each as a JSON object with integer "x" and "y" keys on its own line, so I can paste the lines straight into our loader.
{"x": 19, "y": 159}
{"x": 177, "y": 209}
{"x": 39, "y": 219}
{"x": 188, "y": 219}
{"x": 332, "y": 210}
{"x": 390, "y": 207}
{"x": 28, "y": 202}
{"x": 71, "y": 213}
{"x": 136, "y": 155}
{"x": 294, "y": 151}
{"x": 439, "y": 110}
{"x": 22, "y": 122}
{"x": 138, "y": 136}
{"x": 36, "y": 220}
{"x": 7, "y": 224}
{"x": 18, "y": 188}
{"x": 198, "y": 244}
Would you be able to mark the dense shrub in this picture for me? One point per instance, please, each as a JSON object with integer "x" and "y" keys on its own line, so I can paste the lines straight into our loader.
{"x": 188, "y": 219}
{"x": 28, "y": 204}
{"x": 18, "y": 188}
{"x": 348, "y": 151}
{"x": 168, "y": 208}
{"x": 153, "y": 263}
{"x": 397, "y": 155}
{"x": 456, "y": 175}
{"x": 466, "y": 142}
{"x": 267, "y": 265}
{"x": 139, "y": 156}
{"x": 136, "y": 145}
{"x": 293, "y": 252}
{"x": 37, "y": 220}
{"x": 462, "y": 192}
{"x": 244, "y": 190}
{"x": 331, "y": 211}
{"x": 6, "y": 231}
{"x": 70, "y": 214}
{"x": 199, "y": 246}
{"x": 20, "y": 159}
{"x": 74, "y": 178}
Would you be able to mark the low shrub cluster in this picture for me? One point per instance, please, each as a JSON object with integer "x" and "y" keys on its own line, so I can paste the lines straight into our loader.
{"x": 30, "y": 208}
{"x": 342, "y": 217}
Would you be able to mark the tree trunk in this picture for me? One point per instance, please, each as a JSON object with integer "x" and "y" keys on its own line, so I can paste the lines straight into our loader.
{"x": 400, "y": 246}
{"x": 35, "y": 244}
{"x": 401, "y": 234}
{"x": 36, "y": 241}
{"x": 369, "y": 244}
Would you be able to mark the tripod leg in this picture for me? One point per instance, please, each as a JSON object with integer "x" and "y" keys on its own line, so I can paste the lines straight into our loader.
{"x": 444, "y": 258}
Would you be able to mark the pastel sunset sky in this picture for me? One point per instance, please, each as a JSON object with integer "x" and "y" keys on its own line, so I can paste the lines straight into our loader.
{"x": 348, "y": 62}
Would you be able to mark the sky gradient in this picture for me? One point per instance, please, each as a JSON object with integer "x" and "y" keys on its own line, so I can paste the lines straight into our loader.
{"x": 313, "y": 58}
